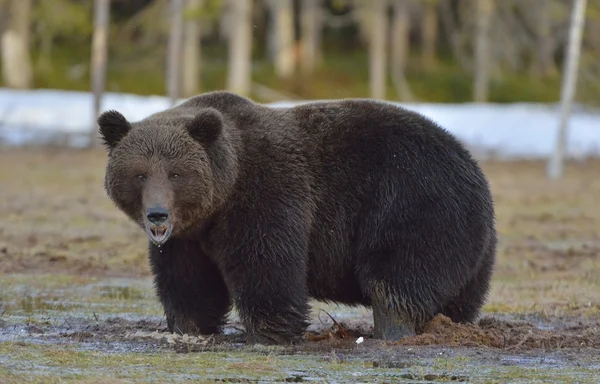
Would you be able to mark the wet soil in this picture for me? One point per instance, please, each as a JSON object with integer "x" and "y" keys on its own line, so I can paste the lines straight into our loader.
{"x": 492, "y": 348}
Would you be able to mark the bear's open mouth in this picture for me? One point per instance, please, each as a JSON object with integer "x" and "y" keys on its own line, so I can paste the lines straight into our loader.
{"x": 159, "y": 234}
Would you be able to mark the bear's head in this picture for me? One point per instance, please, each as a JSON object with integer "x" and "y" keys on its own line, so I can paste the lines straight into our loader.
{"x": 170, "y": 171}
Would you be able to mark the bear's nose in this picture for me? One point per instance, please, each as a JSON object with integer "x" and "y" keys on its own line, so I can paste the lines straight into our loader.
{"x": 157, "y": 215}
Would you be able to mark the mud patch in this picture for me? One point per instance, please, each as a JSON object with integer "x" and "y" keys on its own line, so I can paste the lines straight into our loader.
{"x": 448, "y": 352}
{"x": 516, "y": 336}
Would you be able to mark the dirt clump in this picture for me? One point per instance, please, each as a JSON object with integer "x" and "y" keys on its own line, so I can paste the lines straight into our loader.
{"x": 525, "y": 336}
{"x": 441, "y": 330}
{"x": 490, "y": 332}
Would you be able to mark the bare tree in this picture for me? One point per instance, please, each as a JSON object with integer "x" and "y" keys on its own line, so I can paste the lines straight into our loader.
{"x": 310, "y": 25}
{"x": 429, "y": 30}
{"x": 240, "y": 47}
{"x": 400, "y": 47}
{"x": 99, "y": 59}
{"x": 192, "y": 58}
{"x": 174, "y": 51}
{"x": 555, "y": 165}
{"x": 378, "y": 42}
{"x": 16, "y": 60}
{"x": 283, "y": 33}
{"x": 543, "y": 64}
{"x": 484, "y": 10}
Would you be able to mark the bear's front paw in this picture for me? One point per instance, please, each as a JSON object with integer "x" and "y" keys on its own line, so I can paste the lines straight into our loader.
{"x": 184, "y": 325}
{"x": 272, "y": 338}
{"x": 276, "y": 330}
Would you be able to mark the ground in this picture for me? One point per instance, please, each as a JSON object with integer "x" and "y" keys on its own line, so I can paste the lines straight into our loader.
{"x": 76, "y": 298}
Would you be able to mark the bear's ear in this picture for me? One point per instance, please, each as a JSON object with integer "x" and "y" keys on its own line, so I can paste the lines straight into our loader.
{"x": 206, "y": 126}
{"x": 113, "y": 128}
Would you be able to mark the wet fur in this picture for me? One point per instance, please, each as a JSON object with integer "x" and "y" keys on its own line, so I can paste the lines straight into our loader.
{"x": 349, "y": 201}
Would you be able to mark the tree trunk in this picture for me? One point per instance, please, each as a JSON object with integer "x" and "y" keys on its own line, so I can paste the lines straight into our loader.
{"x": 310, "y": 35}
{"x": 567, "y": 94}
{"x": 400, "y": 48}
{"x": 16, "y": 60}
{"x": 543, "y": 64}
{"x": 192, "y": 58}
{"x": 429, "y": 32}
{"x": 483, "y": 17}
{"x": 283, "y": 18}
{"x": 99, "y": 59}
{"x": 174, "y": 51}
{"x": 240, "y": 47}
{"x": 44, "y": 62}
{"x": 378, "y": 37}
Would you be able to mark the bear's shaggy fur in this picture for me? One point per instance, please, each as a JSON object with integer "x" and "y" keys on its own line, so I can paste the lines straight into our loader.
{"x": 350, "y": 201}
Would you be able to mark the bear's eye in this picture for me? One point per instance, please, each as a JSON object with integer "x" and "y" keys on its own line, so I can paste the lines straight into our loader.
{"x": 141, "y": 178}
{"x": 174, "y": 176}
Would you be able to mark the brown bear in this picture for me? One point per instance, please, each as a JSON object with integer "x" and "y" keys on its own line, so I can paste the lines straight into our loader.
{"x": 352, "y": 201}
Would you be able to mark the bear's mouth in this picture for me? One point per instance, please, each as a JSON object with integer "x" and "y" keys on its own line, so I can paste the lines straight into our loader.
{"x": 159, "y": 234}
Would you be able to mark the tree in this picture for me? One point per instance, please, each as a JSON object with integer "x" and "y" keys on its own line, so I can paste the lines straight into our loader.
{"x": 543, "y": 64}
{"x": 192, "y": 50}
{"x": 378, "y": 42}
{"x": 174, "y": 51}
{"x": 16, "y": 60}
{"x": 240, "y": 47}
{"x": 310, "y": 18}
{"x": 429, "y": 30}
{"x": 400, "y": 47}
{"x": 483, "y": 19}
{"x": 283, "y": 35}
{"x": 555, "y": 165}
{"x": 99, "y": 59}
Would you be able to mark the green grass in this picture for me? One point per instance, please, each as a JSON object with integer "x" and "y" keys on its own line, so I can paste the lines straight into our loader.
{"x": 66, "y": 364}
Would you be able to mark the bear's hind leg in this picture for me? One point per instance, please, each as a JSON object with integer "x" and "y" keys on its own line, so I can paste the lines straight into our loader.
{"x": 390, "y": 320}
{"x": 465, "y": 307}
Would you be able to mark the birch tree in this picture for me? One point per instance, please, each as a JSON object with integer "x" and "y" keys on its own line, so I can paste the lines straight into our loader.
{"x": 543, "y": 64}
{"x": 240, "y": 47}
{"x": 16, "y": 60}
{"x": 310, "y": 19}
{"x": 400, "y": 47}
{"x": 555, "y": 165}
{"x": 99, "y": 59}
{"x": 192, "y": 59}
{"x": 174, "y": 51}
{"x": 377, "y": 49}
{"x": 283, "y": 33}
{"x": 483, "y": 19}
{"x": 429, "y": 31}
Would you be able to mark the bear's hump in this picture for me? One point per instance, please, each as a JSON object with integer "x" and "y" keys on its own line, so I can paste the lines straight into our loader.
{"x": 220, "y": 100}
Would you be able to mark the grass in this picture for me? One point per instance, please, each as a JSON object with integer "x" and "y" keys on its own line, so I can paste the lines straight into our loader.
{"x": 65, "y": 364}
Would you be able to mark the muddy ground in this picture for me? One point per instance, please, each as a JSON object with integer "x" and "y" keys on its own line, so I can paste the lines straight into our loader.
{"x": 76, "y": 299}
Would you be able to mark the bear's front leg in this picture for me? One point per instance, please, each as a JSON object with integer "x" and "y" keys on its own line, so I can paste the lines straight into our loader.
{"x": 274, "y": 311}
{"x": 190, "y": 287}
{"x": 266, "y": 276}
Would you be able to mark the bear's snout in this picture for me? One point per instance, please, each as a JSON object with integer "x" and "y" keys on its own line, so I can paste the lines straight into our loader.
{"x": 157, "y": 215}
{"x": 158, "y": 225}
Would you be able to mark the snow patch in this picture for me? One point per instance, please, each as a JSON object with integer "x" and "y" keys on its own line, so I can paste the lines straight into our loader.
{"x": 511, "y": 131}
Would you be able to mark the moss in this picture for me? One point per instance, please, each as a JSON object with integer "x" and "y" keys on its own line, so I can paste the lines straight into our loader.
{"x": 64, "y": 362}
